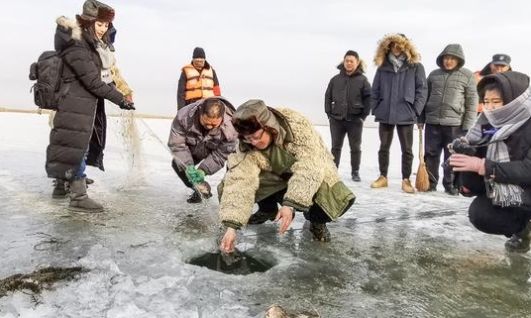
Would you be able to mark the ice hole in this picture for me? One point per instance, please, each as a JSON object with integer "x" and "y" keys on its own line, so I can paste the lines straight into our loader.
{"x": 237, "y": 263}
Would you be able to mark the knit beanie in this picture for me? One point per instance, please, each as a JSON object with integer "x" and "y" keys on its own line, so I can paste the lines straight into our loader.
{"x": 199, "y": 53}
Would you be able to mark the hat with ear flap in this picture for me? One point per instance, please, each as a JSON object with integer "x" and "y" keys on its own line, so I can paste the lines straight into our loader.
{"x": 253, "y": 115}
{"x": 95, "y": 10}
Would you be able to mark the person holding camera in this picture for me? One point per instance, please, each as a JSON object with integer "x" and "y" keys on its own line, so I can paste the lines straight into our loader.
{"x": 493, "y": 160}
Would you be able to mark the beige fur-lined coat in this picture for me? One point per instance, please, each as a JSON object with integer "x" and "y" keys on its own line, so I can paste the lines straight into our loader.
{"x": 313, "y": 166}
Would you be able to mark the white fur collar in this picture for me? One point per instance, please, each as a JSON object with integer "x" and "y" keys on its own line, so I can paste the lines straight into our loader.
{"x": 70, "y": 24}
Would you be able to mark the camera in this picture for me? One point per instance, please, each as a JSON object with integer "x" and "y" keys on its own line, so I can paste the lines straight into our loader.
{"x": 461, "y": 146}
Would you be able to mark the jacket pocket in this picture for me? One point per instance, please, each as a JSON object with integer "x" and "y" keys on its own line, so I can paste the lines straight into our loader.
{"x": 334, "y": 200}
{"x": 410, "y": 101}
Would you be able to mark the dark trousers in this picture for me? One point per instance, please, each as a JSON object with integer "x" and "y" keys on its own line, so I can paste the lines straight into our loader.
{"x": 353, "y": 129}
{"x": 405, "y": 135}
{"x": 436, "y": 140}
{"x": 182, "y": 175}
{"x": 270, "y": 205}
{"x": 492, "y": 219}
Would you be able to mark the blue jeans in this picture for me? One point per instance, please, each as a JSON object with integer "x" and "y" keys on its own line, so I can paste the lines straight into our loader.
{"x": 80, "y": 173}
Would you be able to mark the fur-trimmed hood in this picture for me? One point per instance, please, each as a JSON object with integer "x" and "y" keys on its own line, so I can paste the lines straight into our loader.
{"x": 68, "y": 30}
{"x": 408, "y": 48}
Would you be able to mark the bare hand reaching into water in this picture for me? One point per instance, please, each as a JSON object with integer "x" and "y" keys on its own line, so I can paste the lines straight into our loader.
{"x": 285, "y": 216}
{"x": 228, "y": 241}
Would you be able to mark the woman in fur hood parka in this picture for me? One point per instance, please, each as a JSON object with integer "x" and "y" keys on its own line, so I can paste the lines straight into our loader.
{"x": 78, "y": 134}
{"x": 398, "y": 94}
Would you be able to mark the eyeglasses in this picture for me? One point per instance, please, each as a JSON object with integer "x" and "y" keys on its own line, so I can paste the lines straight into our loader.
{"x": 256, "y": 137}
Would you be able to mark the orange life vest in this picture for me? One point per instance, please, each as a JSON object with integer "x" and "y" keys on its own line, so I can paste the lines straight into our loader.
{"x": 198, "y": 85}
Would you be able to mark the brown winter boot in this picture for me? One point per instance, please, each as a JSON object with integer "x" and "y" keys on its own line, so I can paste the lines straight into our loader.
{"x": 381, "y": 182}
{"x": 519, "y": 242}
{"x": 79, "y": 200}
{"x": 407, "y": 187}
{"x": 59, "y": 189}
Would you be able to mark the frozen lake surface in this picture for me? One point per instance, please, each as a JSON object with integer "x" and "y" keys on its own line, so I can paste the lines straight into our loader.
{"x": 392, "y": 254}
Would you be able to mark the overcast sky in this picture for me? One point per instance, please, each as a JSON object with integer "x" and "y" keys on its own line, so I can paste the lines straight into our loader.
{"x": 283, "y": 52}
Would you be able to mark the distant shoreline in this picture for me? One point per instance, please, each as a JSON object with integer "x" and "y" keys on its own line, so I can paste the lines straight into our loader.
{"x": 45, "y": 111}
{"x": 138, "y": 115}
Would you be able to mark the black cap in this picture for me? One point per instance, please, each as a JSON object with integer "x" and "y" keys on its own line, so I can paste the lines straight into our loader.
{"x": 501, "y": 59}
{"x": 199, "y": 53}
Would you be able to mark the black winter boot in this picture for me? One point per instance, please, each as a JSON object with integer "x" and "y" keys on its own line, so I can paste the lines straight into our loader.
{"x": 59, "y": 190}
{"x": 79, "y": 200}
{"x": 519, "y": 242}
{"x": 356, "y": 176}
{"x": 320, "y": 232}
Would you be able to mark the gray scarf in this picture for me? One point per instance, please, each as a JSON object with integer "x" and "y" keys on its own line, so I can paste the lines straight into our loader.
{"x": 107, "y": 61}
{"x": 507, "y": 120}
{"x": 397, "y": 62}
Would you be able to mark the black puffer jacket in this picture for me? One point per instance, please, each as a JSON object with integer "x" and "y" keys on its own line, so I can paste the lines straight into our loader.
{"x": 80, "y": 120}
{"x": 517, "y": 171}
{"x": 348, "y": 96}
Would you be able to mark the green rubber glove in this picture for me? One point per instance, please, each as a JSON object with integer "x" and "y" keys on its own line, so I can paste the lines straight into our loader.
{"x": 194, "y": 175}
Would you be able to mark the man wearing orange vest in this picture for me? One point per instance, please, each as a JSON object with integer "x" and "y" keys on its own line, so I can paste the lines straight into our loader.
{"x": 198, "y": 80}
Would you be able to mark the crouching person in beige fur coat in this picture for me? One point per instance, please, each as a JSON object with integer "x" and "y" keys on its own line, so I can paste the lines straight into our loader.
{"x": 281, "y": 159}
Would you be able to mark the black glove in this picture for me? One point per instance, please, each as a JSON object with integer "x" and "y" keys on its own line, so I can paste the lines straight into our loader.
{"x": 124, "y": 104}
{"x": 461, "y": 145}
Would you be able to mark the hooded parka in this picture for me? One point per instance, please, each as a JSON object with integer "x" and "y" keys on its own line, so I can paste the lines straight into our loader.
{"x": 80, "y": 122}
{"x": 452, "y": 95}
{"x": 398, "y": 96}
{"x": 486, "y": 216}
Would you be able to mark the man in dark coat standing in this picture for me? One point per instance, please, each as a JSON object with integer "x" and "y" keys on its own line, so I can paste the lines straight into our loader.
{"x": 347, "y": 104}
{"x": 399, "y": 93}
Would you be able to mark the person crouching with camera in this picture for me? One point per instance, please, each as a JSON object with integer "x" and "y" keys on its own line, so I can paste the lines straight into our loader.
{"x": 493, "y": 160}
